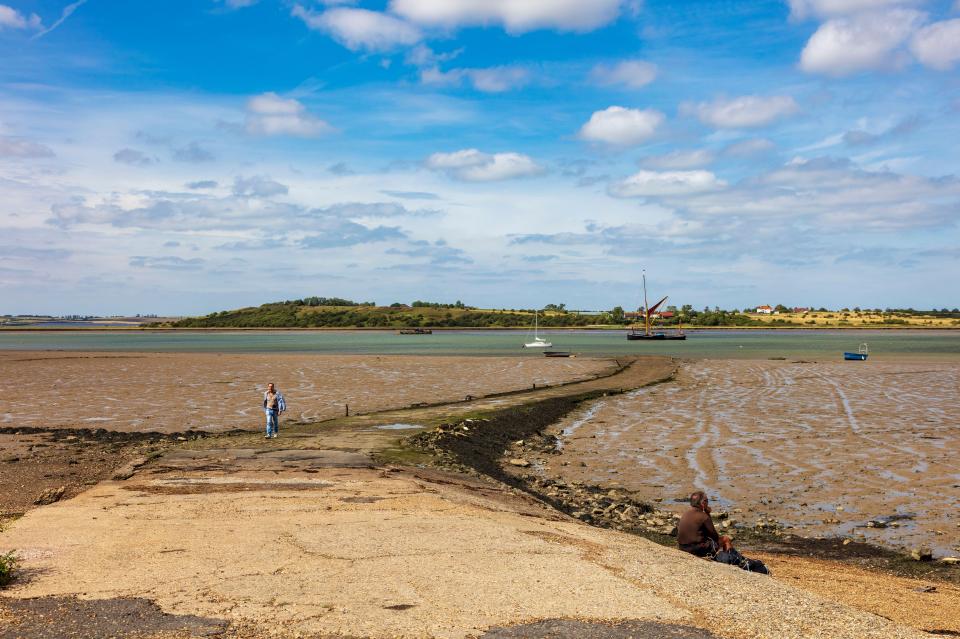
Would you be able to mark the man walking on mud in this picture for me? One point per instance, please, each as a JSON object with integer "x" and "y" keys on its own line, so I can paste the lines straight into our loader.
{"x": 273, "y": 406}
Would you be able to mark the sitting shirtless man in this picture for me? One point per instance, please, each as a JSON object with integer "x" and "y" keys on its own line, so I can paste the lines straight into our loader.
{"x": 695, "y": 532}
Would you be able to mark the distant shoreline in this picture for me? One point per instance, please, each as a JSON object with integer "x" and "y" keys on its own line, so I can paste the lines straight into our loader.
{"x": 453, "y": 329}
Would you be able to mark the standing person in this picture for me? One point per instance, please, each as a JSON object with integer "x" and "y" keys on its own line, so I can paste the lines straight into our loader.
{"x": 695, "y": 531}
{"x": 273, "y": 406}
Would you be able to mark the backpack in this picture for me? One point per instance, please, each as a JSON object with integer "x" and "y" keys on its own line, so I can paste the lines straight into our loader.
{"x": 734, "y": 558}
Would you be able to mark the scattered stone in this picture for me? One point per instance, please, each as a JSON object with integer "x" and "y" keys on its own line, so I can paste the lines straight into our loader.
{"x": 522, "y": 463}
{"x": 50, "y": 495}
{"x": 953, "y": 561}
{"x": 921, "y": 554}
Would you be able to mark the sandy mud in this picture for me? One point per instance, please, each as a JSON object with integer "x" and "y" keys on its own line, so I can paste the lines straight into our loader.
{"x": 214, "y": 392}
{"x": 867, "y": 451}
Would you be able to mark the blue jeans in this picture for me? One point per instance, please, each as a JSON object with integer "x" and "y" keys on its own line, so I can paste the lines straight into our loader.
{"x": 272, "y": 421}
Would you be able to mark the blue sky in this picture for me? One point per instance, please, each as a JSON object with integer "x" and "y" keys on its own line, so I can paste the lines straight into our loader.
{"x": 188, "y": 156}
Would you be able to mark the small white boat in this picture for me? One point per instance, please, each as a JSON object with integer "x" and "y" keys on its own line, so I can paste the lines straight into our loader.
{"x": 538, "y": 342}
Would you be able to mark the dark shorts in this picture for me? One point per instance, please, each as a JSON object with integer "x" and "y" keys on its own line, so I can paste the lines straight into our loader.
{"x": 706, "y": 548}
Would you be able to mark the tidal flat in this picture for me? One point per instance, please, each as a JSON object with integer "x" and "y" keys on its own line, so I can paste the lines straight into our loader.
{"x": 177, "y": 392}
{"x": 866, "y": 450}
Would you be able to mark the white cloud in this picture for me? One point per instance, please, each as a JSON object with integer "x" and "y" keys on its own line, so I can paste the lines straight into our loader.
{"x": 10, "y": 18}
{"x": 680, "y": 159}
{"x": 471, "y": 165}
{"x": 868, "y": 41}
{"x": 498, "y": 79}
{"x": 752, "y": 146}
{"x": 621, "y": 126}
{"x": 630, "y": 73}
{"x": 803, "y": 9}
{"x": 66, "y": 13}
{"x": 258, "y": 186}
{"x": 828, "y": 193}
{"x": 490, "y": 80}
{"x": 938, "y": 45}
{"x": 516, "y": 16}
{"x": 359, "y": 28}
{"x": 269, "y": 114}
{"x": 666, "y": 183}
{"x": 21, "y": 148}
{"x": 743, "y": 112}
{"x": 133, "y": 157}
{"x": 423, "y": 56}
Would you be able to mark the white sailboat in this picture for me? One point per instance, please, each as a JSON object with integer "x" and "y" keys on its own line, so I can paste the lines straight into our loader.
{"x": 538, "y": 342}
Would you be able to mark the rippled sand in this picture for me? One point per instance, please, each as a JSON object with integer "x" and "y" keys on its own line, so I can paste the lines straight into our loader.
{"x": 180, "y": 391}
{"x": 822, "y": 446}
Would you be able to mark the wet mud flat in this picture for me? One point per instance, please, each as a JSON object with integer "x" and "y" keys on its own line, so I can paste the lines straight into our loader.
{"x": 866, "y": 451}
{"x": 528, "y": 554}
{"x": 515, "y": 445}
{"x": 177, "y": 392}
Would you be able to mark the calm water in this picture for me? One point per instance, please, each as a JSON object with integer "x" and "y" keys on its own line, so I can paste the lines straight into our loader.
{"x": 713, "y": 344}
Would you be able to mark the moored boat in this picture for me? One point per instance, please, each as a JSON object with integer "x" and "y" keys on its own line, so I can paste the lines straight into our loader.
{"x": 648, "y": 333}
{"x": 859, "y": 356}
{"x": 538, "y": 342}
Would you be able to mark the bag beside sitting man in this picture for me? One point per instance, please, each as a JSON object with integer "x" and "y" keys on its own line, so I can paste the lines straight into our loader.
{"x": 697, "y": 535}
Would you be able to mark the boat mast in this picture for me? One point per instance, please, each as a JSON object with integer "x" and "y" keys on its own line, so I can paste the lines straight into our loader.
{"x": 646, "y": 307}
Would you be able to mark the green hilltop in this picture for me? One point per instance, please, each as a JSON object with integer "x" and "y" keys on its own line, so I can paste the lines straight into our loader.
{"x": 320, "y": 312}
{"x": 333, "y": 312}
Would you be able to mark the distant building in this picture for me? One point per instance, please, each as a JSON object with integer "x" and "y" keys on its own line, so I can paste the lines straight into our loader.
{"x": 801, "y": 309}
{"x": 765, "y": 310}
{"x": 638, "y": 315}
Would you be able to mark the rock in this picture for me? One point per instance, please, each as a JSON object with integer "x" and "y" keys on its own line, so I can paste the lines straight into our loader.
{"x": 921, "y": 554}
{"x": 522, "y": 463}
{"x": 953, "y": 561}
{"x": 126, "y": 471}
{"x": 846, "y": 541}
{"x": 50, "y": 495}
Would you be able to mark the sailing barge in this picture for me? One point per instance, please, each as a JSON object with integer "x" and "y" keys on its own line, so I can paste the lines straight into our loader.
{"x": 648, "y": 333}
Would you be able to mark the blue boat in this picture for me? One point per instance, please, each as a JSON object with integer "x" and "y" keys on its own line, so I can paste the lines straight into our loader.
{"x": 859, "y": 356}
